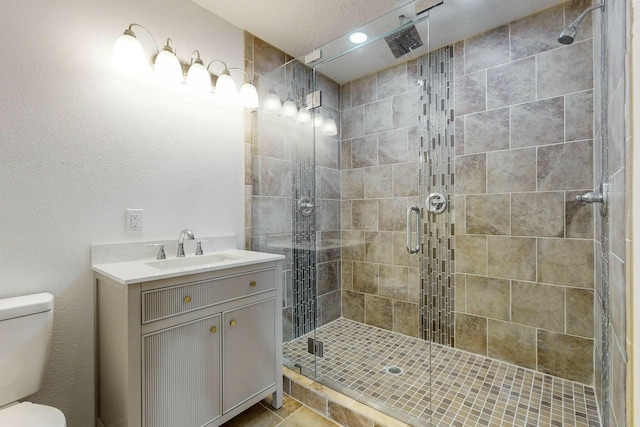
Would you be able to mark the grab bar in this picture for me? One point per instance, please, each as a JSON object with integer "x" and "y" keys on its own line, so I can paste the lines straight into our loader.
{"x": 413, "y": 249}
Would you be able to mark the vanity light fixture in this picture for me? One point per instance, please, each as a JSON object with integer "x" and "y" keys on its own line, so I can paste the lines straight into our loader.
{"x": 330, "y": 128}
{"x": 318, "y": 120}
{"x": 198, "y": 78}
{"x": 304, "y": 116}
{"x": 129, "y": 55}
{"x": 272, "y": 103}
{"x": 289, "y": 109}
{"x": 167, "y": 66}
{"x": 225, "y": 86}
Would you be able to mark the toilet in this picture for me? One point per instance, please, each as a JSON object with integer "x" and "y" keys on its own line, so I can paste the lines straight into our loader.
{"x": 26, "y": 323}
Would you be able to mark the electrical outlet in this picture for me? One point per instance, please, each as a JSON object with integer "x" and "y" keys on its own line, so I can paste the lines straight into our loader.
{"x": 133, "y": 220}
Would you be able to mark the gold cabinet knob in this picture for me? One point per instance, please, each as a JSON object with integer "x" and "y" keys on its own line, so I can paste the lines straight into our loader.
{"x": 214, "y": 329}
{"x": 253, "y": 283}
{"x": 233, "y": 323}
{"x": 187, "y": 299}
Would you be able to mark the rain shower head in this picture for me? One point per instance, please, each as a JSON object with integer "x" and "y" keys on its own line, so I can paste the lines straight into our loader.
{"x": 568, "y": 35}
{"x": 404, "y": 41}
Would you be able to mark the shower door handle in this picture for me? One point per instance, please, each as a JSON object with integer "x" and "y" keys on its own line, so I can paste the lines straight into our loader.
{"x": 413, "y": 249}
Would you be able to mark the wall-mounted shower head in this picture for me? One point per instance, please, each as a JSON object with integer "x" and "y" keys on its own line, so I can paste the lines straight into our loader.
{"x": 568, "y": 35}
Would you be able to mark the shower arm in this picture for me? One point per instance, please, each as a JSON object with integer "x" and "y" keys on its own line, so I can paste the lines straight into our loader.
{"x": 576, "y": 22}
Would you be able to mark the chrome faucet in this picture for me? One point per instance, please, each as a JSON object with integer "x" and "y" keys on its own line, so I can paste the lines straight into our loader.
{"x": 184, "y": 233}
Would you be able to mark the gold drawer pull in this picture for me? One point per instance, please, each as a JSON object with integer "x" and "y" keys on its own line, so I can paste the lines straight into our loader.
{"x": 187, "y": 299}
{"x": 253, "y": 283}
{"x": 233, "y": 323}
{"x": 214, "y": 329}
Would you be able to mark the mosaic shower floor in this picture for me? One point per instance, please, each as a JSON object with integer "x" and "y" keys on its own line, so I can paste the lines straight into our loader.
{"x": 466, "y": 389}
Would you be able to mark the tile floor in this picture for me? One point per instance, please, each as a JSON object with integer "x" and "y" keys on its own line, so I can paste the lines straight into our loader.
{"x": 292, "y": 414}
{"x": 467, "y": 389}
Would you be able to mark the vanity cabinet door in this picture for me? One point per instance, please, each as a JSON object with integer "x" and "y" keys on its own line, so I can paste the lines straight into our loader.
{"x": 181, "y": 374}
{"x": 249, "y": 352}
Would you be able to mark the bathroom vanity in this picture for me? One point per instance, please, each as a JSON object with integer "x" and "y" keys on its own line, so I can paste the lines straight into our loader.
{"x": 190, "y": 341}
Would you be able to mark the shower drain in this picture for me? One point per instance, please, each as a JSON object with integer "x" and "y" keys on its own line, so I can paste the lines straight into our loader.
{"x": 394, "y": 370}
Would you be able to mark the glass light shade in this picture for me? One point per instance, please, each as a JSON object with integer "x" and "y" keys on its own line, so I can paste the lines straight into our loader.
{"x": 198, "y": 78}
{"x": 289, "y": 110}
{"x": 167, "y": 67}
{"x": 304, "y": 116}
{"x": 249, "y": 96}
{"x": 272, "y": 103}
{"x": 226, "y": 88}
{"x": 129, "y": 55}
{"x": 318, "y": 120}
{"x": 330, "y": 128}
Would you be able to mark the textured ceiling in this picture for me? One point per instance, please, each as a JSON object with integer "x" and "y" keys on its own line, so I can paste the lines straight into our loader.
{"x": 299, "y": 26}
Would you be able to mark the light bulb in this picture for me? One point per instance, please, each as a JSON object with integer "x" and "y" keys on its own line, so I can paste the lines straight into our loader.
{"x": 304, "y": 116}
{"x": 198, "y": 78}
{"x": 330, "y": 128}
{"x": 226, "y": 87}
{"x": 128, "y": 54}
{"x": 249, "y": 96}
{"x": 289, "y": 109}
{"x": 167, "y": 67}
{"x": 358, "y": 37}
{"x": 318, "y": 120}
{"x": 272, "y": 103}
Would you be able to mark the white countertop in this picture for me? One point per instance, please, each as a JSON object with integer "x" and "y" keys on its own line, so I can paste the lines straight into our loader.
{"x": 143, "y": 271}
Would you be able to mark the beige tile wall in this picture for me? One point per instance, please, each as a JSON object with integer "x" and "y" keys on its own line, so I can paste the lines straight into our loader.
{"x": 525, "y": 253}
{"x": 614, "y": 167}
{"x": 380, "y": 281}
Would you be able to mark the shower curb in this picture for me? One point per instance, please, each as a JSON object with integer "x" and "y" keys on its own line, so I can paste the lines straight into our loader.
{"x": 334, "y": 405}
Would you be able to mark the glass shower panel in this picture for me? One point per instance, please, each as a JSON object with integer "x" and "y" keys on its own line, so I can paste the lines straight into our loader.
{"x": 283, "y": 201}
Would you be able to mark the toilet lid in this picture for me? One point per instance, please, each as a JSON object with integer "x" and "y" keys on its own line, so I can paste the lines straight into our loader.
{"x": 29, "y": 414}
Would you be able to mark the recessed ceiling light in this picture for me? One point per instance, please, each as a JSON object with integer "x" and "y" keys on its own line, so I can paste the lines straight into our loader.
{"x": 358, "y": 37}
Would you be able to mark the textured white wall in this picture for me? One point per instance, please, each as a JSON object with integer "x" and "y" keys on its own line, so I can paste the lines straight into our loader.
{"x": 80, "y": 143}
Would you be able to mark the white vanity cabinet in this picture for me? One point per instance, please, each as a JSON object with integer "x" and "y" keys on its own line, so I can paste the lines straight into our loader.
{"x": 189, "y": 351}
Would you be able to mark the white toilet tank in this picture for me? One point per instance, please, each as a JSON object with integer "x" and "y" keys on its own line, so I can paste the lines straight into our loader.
{"x": 25, "y": 332}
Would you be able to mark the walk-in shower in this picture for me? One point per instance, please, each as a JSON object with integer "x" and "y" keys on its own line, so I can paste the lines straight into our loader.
{"x": 483, "y": 143}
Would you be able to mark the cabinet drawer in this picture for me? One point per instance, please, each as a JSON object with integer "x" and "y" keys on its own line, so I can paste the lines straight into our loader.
{"x": 166, "y": 302}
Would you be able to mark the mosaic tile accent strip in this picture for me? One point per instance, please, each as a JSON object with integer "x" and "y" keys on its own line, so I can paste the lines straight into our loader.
{"x": 437, "y": 176}
{"x": 439, "y": 385}
{"x": 303, "y": 227}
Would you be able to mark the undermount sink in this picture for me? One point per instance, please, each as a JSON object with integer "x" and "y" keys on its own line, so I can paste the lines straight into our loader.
{"x": 200, "y": 260}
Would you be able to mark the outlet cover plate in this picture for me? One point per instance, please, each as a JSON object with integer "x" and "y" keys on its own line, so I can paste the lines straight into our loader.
{"x": 133, "y": 220}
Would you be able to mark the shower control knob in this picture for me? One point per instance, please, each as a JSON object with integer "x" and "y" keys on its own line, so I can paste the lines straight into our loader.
{"x": 436, "y": 203}
{"x": 305, "y": 206}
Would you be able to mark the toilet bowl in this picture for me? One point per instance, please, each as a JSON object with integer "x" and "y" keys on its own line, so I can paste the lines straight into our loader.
{"x": 27, "y": 414}
{"x": 26, "y": 323}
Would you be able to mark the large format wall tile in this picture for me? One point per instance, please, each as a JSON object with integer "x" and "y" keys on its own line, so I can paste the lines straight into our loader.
{"x": 487, "y": 131}
{"x": 536, "y": 33}
{"x": 379, "y": 312}
{"x": 566, "y": 262}
{"x": 471, "y": 93}
{"x": 538, "y": 305}
{"x": 471, "y": 333}
{"x": 487, "y": 49}
{"x": 512, "y": 257}
{"x": 565, "y": 356}
{"x": 487, "y": 214}
{"x": 378, "y": 116}
{"x": 471, "y": 174}
{"x": 392, "y": 81}
{"x": 512, "y": 343}
{"x": 580, "y": 312}
{"x": 364, "y": 151}
{"x": 511, "y": 83}
{"x": 364, "y": 90}
{"x": 565, "y": 70}
{"x": 511, "y": 170}
{"x": 565, "y": 166}
{"x": 579, "y": 115}
{"x": 488, "y": 297}
{"x": 537, "y": 123}
{"x": 537, "y": 214}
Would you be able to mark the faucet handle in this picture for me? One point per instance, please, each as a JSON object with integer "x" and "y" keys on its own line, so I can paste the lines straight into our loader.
{"x": 199, "y": 246}
{"x": 161, "y": 254}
